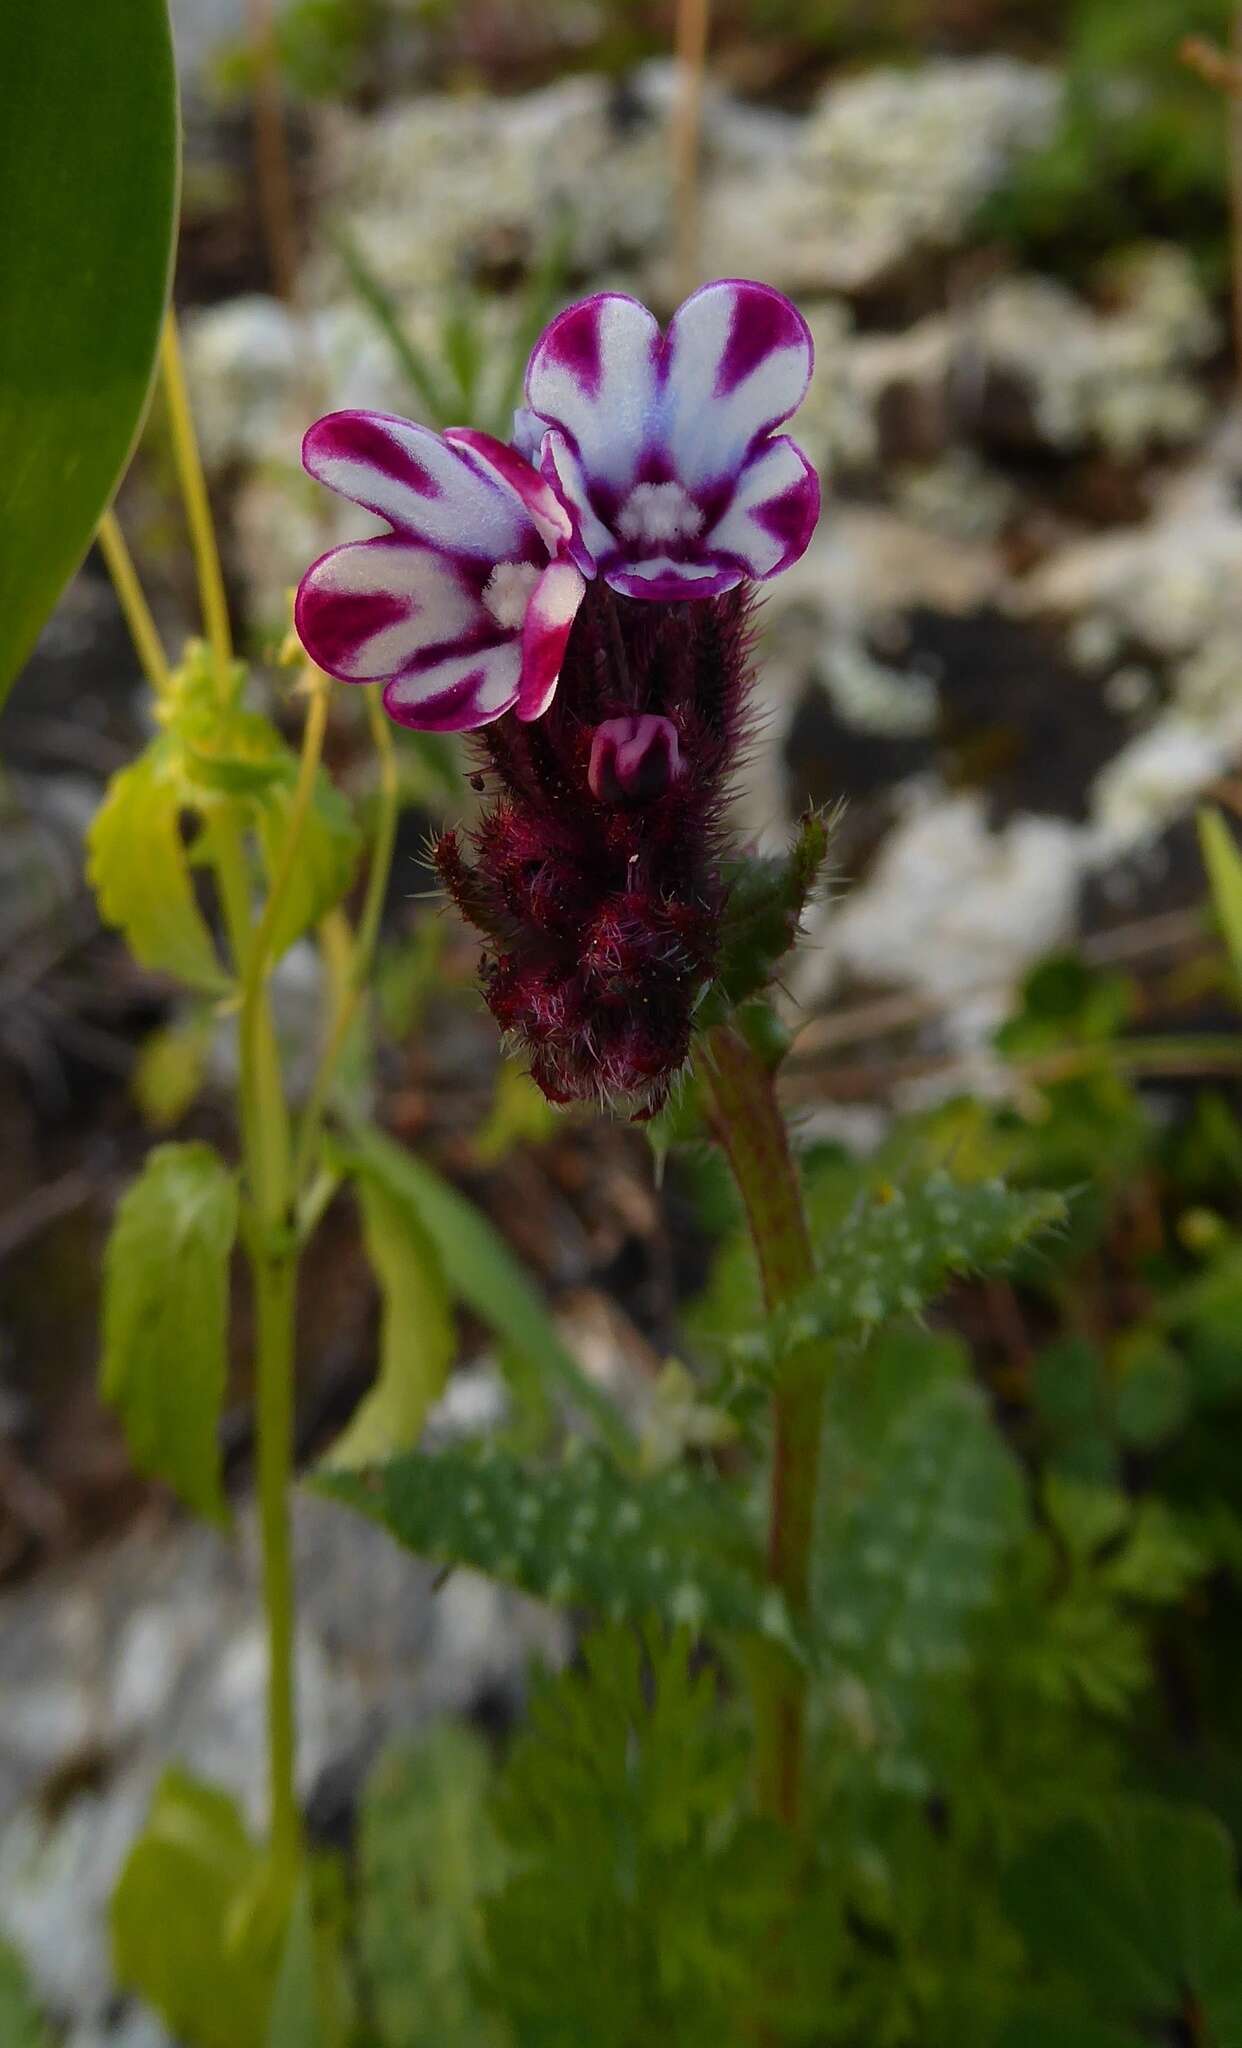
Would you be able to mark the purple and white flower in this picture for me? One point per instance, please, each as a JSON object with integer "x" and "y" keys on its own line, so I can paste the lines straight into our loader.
{"x": 463, "y": 609}
{"x": 662, "y": 445}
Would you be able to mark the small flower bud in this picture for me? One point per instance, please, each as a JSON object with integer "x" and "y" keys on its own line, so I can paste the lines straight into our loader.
{"x": 633, "y": 760}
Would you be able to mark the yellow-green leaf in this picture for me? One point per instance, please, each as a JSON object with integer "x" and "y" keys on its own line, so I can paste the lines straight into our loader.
{"x": 417, "y": 1337}
{"x": 174, "y": 1919}
{"x": 1223, "y": 862}
{"x": 165, "y": 1317}
{"x": 327, "y": 856}
{"x": 137, "y": 866}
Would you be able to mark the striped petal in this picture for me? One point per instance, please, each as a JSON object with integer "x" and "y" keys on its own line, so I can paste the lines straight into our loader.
{"x": 772, "y": 514}
{"x": 371, "y": 609}
{"x": 739, "y": 360}
{"x": 668, "y": 581}
{"x": 460, "y": 692}
{"x": 424, "y": 486}
{"x": 550, "y": 615}
{"x": 550, "y": 517}
{"x": 594, "y": 374}
{"x": 590, "y": 541}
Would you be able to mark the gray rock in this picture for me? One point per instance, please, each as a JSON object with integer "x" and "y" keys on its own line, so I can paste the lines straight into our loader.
{"x": 151, "y": 1651}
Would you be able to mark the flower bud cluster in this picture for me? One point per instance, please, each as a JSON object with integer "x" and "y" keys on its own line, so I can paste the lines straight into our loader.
{"x": 594, "y": 873}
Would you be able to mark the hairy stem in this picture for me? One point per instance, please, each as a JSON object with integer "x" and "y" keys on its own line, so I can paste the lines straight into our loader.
{"x": 749, "y": 1124}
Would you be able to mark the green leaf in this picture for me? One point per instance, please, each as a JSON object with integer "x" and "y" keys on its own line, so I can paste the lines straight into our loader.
{"x": 481, "y": 1271}
{"x": 579, "y": 1534}
{"x": 165, "y": 1317}
{"x": 177, "y": 1935}
{"x": 88, "y": 167}
{"x": 295, "y": 2017}
{"x": 1223, "y": 862}
{"x": 894, "y": 1254}
{"x": 20, "y": 2023}
{"x": 911, "y": 1535}
{"x": 137, "y": 866}
{"x": 1140, "y": 1915}
{"x": 327, "y": 855}
{"x": 428, "y": 1857}
{"x": 170, "y": 1068}
{"x": 763, "y": 912}
{"x": 417, "y": 1338}
{"x": 644, "y": 1893}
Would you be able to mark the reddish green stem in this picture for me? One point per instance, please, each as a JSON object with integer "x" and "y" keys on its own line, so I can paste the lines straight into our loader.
{"x": 749, "y": 1124}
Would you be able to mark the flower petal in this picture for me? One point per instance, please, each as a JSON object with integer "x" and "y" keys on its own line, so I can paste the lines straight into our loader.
{"x": 668, "y": 581}
{"x": 550, "y": 616}
{"x": 423, "y": 485}
{"x": 772, "y": 514}
{"x": 594, "y": 373}
{"x": 540, "y": 500}
{"x": 739, "y": 359}
{"x": 459, "y": 693}
{"x": 367, "y": 610}
{"x": 590, "y": 542}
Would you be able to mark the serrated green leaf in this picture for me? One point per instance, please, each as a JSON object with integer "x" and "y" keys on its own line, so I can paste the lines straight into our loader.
{"x": 1223, "y": 862}
{"x": 763, "y": 911}
{"x": 417, "y": 1337}
{"x": 327, "y": 858}
{"x": 429, "y": 1855}
{"x": 137, "y": 866}
{"x": 481, "y": 1271}
{"x": 1140, "y": 1914}
{"x": 173, "y": 1919}
{"x": 580, "y": 1534}
{"x": 88, "y": 166}
{"x": 165, "y": 1317}
{"x": 894, "y": 1254}
{"x": 908, "y": 1547}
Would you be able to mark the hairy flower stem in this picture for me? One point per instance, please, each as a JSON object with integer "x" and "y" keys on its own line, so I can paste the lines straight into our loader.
{"x": 750, "y": 1127}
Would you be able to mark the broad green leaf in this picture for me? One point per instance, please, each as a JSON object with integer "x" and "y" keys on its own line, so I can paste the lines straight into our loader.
{"x": 1142, "y": 1915}
{"x": 1223, "y": 862}
{"x": 481, "y": 1271}
{"x": 327, "y": 857}
{"x": 911, "y": 1533}
{"x": 137, "y": 866}
{"x": 579, "y": 1534}
{"x": 893, "y": 1255}
{"x": 175, "y": 1932}
{"x": 88, "y": 168}
{"x": 429, "y": 1856}
{"x": 417, "y": 1338}
{"x": 165, "y": 1317}
{"x": 20, "y": 2023}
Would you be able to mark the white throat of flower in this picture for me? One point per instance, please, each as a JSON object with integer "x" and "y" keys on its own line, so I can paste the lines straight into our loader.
{"x": 659, "y": 512}
{"x": 507, "y": 592}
